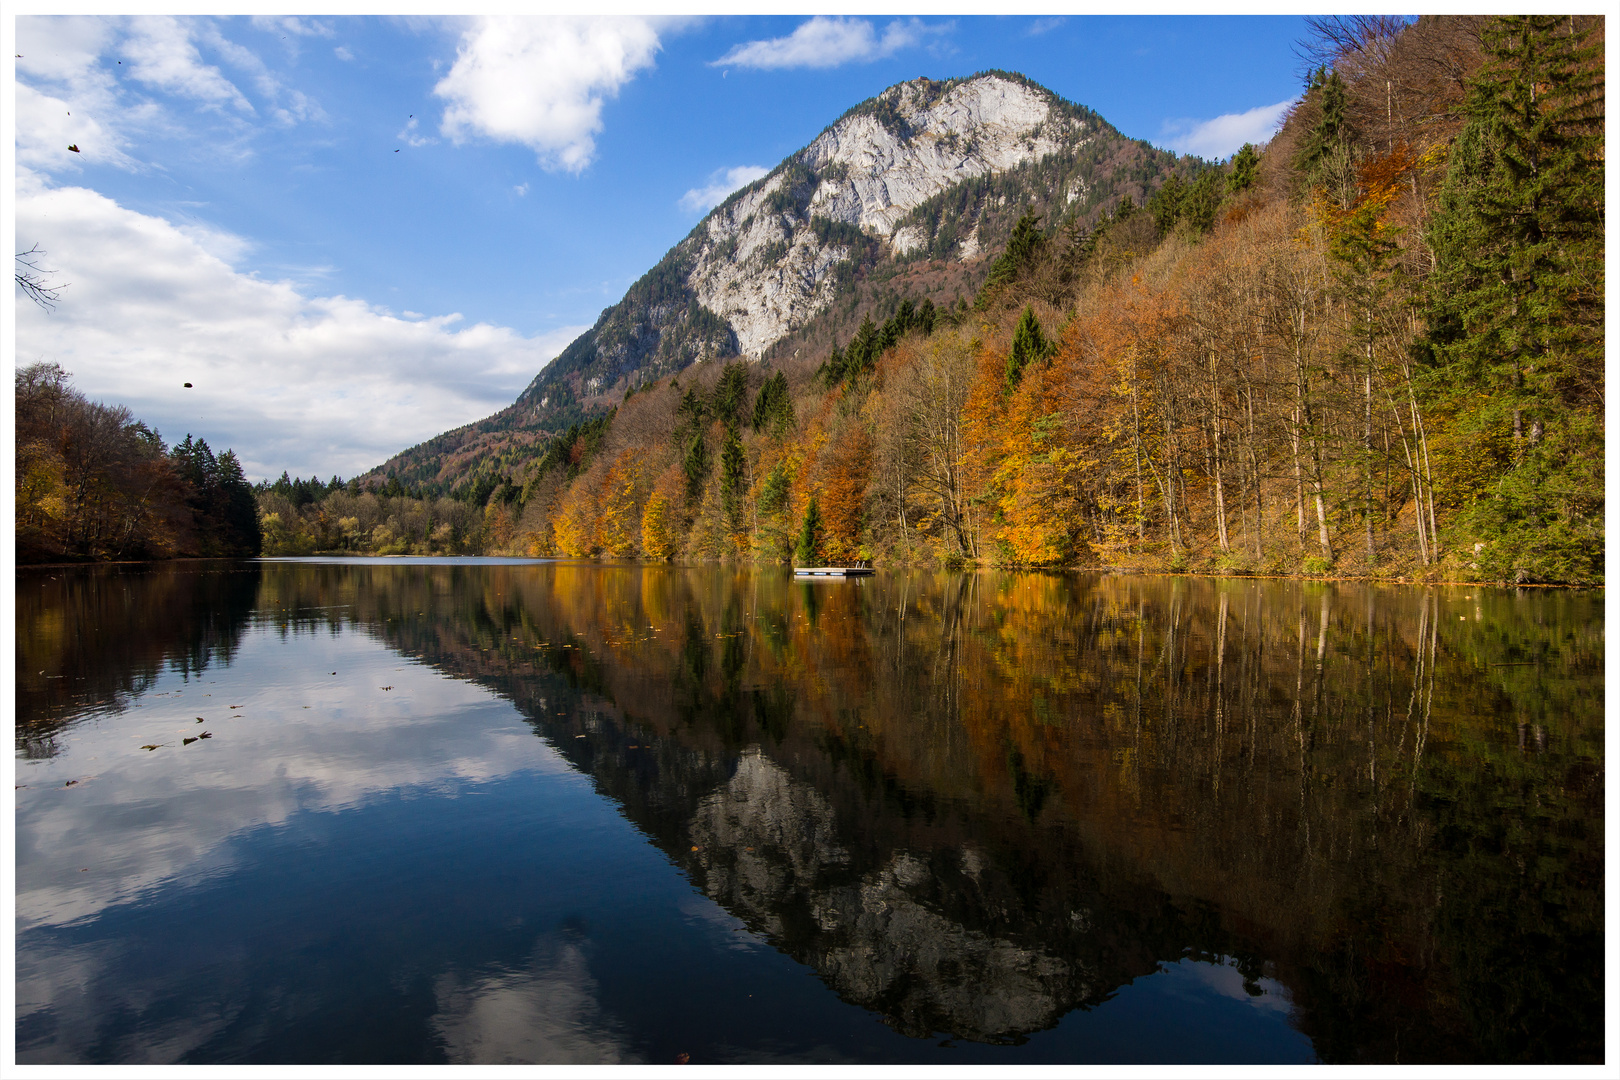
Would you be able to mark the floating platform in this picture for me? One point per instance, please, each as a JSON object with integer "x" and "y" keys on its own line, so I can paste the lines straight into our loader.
{"x": 833, "y": 571}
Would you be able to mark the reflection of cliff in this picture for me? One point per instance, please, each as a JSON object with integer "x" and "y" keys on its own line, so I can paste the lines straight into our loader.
{"x": 974, "y": 803}
{"x": 90, "y": 637}
{"x": 769, "y": 853}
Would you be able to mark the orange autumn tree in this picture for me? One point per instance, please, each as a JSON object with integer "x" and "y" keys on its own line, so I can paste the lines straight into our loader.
{"x": 1025, "y": 461}
{"x": 848, "y": 470}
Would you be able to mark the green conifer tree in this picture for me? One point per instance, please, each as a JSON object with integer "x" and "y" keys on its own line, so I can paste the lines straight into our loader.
{"x": 808, "y": 551}
{"x": 1515, "y": 303}
{"x": 733, "y": 476}
{"x": 1029, "y": 346}
{"x": 1245, "y": 170}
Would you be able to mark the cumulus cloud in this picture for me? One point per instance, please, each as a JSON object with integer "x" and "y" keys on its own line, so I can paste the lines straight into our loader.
{"x": 1046, "y": 26}
{"x": 825, "y": 42}
{"x": 162, "y": 55}
{"x": 72, "y": 89}
{"x": 541, "y": 81}
{"x": 289, "y": 380}
{"x": 1225, "y": 135}
{"x": 722, "y": 182}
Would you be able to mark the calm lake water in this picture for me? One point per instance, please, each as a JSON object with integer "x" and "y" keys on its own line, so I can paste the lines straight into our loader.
{"x": 495, "y": 811}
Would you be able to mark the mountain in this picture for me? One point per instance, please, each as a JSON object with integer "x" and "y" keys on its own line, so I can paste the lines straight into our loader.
{"x": 922, "y": 180}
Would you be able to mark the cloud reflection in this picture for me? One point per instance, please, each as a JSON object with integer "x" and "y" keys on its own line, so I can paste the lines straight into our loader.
{"x": 136, "y": 818}
{"x": 547, "y": 1013}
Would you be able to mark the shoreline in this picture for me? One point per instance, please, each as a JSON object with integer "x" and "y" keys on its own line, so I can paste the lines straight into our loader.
{"x": 974, "y": 568}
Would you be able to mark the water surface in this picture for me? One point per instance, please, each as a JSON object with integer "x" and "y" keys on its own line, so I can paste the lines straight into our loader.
{"x": 504, "y": 811}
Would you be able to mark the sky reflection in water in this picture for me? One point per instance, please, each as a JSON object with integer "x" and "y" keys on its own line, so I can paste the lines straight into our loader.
{"x": 576, "y": 814}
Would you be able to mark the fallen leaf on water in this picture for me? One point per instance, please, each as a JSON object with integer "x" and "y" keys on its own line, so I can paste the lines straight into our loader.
{"x": 200, "y": 720}
{"x": 187, "y": 742}
{"x": 151, "y": 746}
{"x": 206, "y": 735}
{"x": 70, "y": 783}
{"x": 683, "y": 1059}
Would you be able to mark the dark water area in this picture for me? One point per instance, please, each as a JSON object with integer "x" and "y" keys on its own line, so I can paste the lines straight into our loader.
{"x": 495, "y": 811}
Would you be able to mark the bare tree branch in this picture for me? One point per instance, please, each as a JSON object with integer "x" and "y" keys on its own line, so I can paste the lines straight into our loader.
{"x": 34, "y": 280}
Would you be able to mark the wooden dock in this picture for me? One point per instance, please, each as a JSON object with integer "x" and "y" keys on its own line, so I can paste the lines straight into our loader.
{"x": 832, "y": 571}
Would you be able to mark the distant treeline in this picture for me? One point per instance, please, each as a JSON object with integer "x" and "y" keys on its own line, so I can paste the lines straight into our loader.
{"x": 1374, "y": 347}
{"x": 92, "y": 482}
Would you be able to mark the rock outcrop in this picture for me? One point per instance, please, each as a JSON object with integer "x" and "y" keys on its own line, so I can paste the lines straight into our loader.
{"x": 925, "y": 170}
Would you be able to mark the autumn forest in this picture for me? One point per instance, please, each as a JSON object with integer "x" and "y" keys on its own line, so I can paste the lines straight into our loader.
{"x": 1373, "y": 347}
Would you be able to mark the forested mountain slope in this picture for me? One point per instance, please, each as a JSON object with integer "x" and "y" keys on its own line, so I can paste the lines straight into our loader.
{"x": 918, "y": 182}
{"x": 1373, "y": 347}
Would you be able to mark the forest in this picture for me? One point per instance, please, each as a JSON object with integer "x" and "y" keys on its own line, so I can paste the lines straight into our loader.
{"x": 94, "y": 483}
{"x": 1373, "y": 347}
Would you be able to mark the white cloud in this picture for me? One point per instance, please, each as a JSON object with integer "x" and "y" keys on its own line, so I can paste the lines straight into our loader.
{"x": 825, "y": 42}
{"x": 541, "y": 82}
{"x": 411, "y": 136}
{"x": 1046, "y": 26}
{"x": 342, "y": 53}
{"x": 103, "y": 84}
{"x": 291, "y": 24}
{"x": 722, "y": 182}
{"x": 298, "y": 107}
{"x": 161, "y": 54}
{"x": 290, "y": 381}
{"x": 47, "y": 125}
{"x": 1225, "y": 135}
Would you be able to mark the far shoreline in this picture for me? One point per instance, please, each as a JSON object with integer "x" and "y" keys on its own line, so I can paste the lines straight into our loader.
{"x": 338, "y": 556}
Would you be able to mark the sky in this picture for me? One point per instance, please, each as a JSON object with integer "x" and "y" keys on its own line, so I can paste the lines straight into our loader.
{"x": 353, "y": 233}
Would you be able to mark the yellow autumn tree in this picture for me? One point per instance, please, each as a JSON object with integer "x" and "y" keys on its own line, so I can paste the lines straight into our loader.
{"x": 657, "y": 536}
{"x": 617, "y": 527}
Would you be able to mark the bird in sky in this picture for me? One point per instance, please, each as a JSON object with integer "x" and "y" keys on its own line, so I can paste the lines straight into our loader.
{"x": 188, "y": 386}
{"x": 73, "y": 147}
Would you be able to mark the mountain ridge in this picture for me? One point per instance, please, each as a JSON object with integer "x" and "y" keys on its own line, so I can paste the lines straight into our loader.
{"x": 927, "y": 171}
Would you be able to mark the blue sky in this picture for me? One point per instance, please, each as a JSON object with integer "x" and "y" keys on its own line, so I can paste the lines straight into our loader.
{"x": 352, "y": 233}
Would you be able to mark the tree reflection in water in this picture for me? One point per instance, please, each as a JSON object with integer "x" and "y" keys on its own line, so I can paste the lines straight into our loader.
{"x": 975, "y": 803}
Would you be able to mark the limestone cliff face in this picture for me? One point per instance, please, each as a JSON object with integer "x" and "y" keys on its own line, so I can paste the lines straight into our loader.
{"x": 925, "y": 170}
{"x": 762, "y": 262}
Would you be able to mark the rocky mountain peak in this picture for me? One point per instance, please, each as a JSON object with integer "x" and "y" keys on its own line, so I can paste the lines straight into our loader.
{"x": 926, "y": 170}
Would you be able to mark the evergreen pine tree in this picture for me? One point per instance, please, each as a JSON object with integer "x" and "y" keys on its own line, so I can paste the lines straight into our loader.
{"x": 1029, "y": 346}
{"x": 1515, "y": 303}
{"x": 808, "y": 551}
{"x": 1245, "y": 170}
{"x": 237, "y": 509}
{"x": 1165, "y": 205}
{"x": 733, "y": 476}
{"x": 731, "y": 392}
{"x": 1023, "y": 249}
{"x": 1203, "y": 202}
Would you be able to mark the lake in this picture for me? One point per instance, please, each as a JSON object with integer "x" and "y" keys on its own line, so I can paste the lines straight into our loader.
{"x": 496, "y": 811}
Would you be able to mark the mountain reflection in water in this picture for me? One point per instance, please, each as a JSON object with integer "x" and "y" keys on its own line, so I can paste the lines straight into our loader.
{"x": 970, "y": 804}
